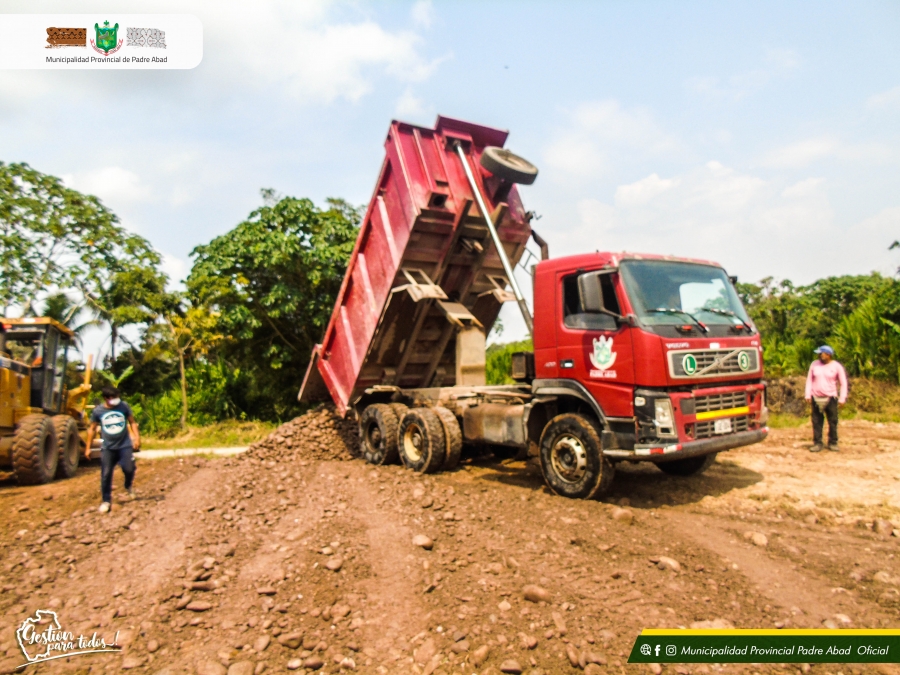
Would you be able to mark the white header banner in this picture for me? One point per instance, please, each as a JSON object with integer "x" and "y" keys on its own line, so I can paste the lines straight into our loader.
{"x": 101, "y": 41}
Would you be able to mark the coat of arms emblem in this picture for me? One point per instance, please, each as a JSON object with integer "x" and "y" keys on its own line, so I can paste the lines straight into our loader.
{"x": 603, "y": 357}
{"x": 107, "y": 40}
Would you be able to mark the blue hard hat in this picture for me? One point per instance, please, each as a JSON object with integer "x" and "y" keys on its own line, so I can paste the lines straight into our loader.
{"x": 825, "y": 349}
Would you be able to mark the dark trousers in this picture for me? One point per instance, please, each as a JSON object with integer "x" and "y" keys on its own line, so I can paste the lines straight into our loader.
{"x": 108, "y": 461}
{"x": 818, "y": 421}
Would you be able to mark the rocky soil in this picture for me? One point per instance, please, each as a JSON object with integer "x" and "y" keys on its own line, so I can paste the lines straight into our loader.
{"x": 292, "y": 558}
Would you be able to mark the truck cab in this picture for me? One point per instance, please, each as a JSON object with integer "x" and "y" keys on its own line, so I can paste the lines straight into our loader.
{"x": 659, "y": 348}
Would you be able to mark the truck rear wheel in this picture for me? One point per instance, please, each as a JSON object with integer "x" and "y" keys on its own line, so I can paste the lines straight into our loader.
{"x": 452, "y": 438}
{"x": 688, "y": 466}
{"x": 34, "y": 451}
{"x": 571, "y": 458}
{"x": 399, "y": 410}
{"x": 422, "y": 446}
{"x": 69, "y": 445}
{"x": 378, "y": 434}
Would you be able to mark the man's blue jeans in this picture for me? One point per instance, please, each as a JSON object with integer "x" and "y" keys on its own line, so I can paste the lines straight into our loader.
{"x": 108, "y": 461}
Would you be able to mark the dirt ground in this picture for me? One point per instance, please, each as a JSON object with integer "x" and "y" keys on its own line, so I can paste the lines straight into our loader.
{"x": 255, "y": 564}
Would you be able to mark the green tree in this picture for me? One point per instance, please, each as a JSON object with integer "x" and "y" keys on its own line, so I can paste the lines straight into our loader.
{"x": 793, "y": 321}
{"x": 271, "y": 283}
{"x": 135, "y": 293}
{"x": 54, "y": 239}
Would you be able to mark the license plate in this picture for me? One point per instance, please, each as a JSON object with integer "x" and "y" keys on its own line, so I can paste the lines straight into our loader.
{"x": 722, "y": 427}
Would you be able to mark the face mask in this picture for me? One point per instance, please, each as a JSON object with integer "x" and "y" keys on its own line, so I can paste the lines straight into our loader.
{"x": 113, "y": 401}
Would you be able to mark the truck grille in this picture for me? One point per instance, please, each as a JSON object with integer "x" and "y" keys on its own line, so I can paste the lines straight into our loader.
{"x": 734, "y": 399}
{"x": 699, "y": 363}
{"x": 705, "y": 429}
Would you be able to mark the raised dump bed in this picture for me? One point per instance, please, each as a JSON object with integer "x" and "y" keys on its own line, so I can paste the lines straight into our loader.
{"x": 424, "y": 283}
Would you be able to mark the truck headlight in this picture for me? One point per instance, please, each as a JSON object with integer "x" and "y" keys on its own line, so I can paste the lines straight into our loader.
{"x": 664, "y": 417}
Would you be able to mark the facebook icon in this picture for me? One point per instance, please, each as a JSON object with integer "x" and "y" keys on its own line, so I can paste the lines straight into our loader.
{"x": 656, "y": 651}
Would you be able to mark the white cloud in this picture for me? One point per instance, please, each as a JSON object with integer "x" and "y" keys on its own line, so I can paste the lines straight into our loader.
{"x": 600, "y": 131}
{"x": 886, "y": 100}
{"x": 805, "y": 152}
{"x": 422, "y": 13}
{"x": 409, "y": 106}
{"x": 802, "y": 153}
{"x": 311, "y": 57}
{"x": 754, "y": 227}
{"x": 720, "y": 188}
{"x": 804, "y": 188}
{"x": 643, "y": 190}
{"x": 112, "y": 184}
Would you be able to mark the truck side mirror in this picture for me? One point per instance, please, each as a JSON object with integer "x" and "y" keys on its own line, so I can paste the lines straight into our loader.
{"x": 589, "y": 294}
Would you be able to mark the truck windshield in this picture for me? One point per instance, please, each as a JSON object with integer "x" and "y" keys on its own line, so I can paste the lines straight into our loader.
{"x": 664, "y": 292}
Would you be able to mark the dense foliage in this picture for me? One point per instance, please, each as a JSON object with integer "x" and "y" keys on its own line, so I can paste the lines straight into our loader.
{"x": 857, "y": 315}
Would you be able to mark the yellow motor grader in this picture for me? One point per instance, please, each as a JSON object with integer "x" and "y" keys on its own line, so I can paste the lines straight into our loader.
{"x": 41, "y": 422}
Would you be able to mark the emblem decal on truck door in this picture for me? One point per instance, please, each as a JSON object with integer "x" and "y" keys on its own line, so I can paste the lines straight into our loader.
{"x": 603, "y": 357}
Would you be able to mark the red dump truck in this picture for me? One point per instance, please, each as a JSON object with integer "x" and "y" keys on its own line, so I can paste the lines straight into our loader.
{"x": 636, "y": 357}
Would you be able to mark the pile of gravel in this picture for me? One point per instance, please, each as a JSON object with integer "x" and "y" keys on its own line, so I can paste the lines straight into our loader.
{"x": 319, "y": 434}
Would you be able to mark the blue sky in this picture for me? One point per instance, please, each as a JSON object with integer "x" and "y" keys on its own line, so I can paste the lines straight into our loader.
{"x": 765, "y": 136}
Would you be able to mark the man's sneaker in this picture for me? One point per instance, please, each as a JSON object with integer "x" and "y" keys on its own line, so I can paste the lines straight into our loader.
{"x": 130, "y": 494}
{"x": 104, "y": 507}
{"x": 834, "y": 447}
{"x": 816, "y": 448}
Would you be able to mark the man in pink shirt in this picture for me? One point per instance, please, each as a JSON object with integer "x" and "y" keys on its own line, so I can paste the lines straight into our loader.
{"x": 826, "y": 387}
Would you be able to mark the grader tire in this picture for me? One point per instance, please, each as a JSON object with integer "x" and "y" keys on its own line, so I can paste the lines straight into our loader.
{"x": 69, "y": 444}
{"x": 452, "y": 437}
{"x": 35, "y": 454}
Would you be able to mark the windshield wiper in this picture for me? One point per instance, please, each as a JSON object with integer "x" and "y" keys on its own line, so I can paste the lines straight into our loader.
{"x": 673, "y": 310}
{"x": 727, "y": 312}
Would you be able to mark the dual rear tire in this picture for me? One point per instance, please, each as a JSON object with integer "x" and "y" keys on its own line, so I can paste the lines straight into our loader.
{"x": 425, "y": 440}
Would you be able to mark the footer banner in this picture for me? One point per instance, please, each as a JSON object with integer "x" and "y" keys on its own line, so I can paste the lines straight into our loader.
{"x": 662, "y": 645}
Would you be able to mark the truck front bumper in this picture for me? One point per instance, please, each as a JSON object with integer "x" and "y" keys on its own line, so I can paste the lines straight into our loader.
{"x": 667, "y": 453}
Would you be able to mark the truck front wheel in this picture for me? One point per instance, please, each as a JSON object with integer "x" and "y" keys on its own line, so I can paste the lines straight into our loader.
{"x": 688, "y": 466}
{"x": 571, "y": 458}
{"x": 422, "y": 445}
{"x": 378, "y": 434}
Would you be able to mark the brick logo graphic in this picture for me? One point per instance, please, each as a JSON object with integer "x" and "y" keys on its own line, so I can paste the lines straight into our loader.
{"x": 66, "y": 37}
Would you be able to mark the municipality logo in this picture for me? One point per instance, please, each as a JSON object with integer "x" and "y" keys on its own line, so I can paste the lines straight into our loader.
{"x": 603, "y": 357}
{"x": 107, "y": 41}
{"x": 42, "y": 638}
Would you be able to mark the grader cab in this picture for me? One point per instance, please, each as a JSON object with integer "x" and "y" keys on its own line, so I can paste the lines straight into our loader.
{"x": 40, "y": 419}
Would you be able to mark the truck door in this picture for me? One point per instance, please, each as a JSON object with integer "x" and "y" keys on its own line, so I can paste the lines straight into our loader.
{"x": 594, "y": 348}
